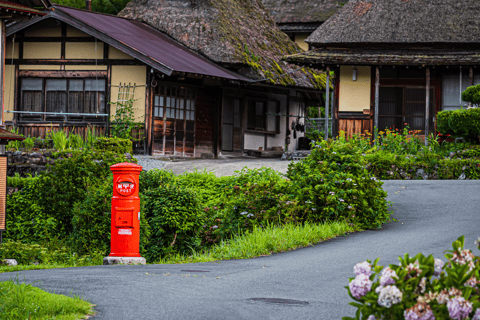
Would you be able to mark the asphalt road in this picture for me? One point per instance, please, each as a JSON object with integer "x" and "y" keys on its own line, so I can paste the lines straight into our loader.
{"x": 431, "y": 214}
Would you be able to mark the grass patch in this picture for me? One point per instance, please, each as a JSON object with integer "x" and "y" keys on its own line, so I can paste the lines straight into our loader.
{"x": 23, "y": 301}
{"x": 23, "y": 267}
{"x": 265, "y": 241}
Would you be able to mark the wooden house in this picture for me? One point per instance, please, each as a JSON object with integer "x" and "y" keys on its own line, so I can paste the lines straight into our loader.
{"x": 199, "y": 88}
{"x": 397, "y": 63}
{"x": 300, "y": 18}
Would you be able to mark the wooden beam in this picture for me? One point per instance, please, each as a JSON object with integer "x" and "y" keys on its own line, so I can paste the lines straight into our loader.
{"x": 77, "y": 62}
{"x": 327, "y": 101}
{"x": 377, "y": 99}
{"x": 2, "y": 68}
{"x": 63, "y": 74}
{"x": 427, "y": 106}
{"x": 471, "y": 82}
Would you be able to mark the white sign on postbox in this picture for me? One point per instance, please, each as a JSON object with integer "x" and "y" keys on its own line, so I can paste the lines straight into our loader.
{"x": 125, "y": 231}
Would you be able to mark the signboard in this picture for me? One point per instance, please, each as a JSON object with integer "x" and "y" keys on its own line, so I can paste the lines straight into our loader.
{"x": 3, "y": 191}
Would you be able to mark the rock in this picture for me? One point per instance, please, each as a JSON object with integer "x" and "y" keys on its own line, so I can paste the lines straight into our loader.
{"x": 33, "y": 160}
{"x": 35, "y": 155}
{"x": 462, "y": 176}
{"x": 286, "y": 156}
{"x": 47, "y": 154}
{"x": 8, "y": 262}
{"x": 124, "y": 260}
{"x": 420, "y": 172}
{"x": 17, "y": 153}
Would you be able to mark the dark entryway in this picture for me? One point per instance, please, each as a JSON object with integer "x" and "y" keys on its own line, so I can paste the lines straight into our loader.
{"x": 232, "y": 125}
{"x": 402, "y": 106}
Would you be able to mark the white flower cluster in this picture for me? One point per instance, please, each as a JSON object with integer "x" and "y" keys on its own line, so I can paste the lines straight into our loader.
{"x": 363, "y": 268}
{"x": 438, "y": 267}
{"x": 389, "y": 295}
{"x": 465, "y": 257}
{"x": 360, "y": 286}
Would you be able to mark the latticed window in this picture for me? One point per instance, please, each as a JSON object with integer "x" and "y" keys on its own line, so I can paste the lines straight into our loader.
{"x": 62, "y": 99}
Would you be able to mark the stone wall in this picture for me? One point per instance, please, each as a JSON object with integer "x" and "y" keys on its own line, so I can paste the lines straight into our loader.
{"x": 25, "y": 163}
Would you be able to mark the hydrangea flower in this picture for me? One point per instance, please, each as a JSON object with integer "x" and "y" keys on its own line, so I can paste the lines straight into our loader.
{"x": 465, "y": 257}
{"x": 472, "y": 282}
{"x": 363, "y": 268}
{"x": 389, "y": 295}
{"x": 413, "y": 270}
{"x": 387, "y": 276}
{"x": 331, "y": 193}
{"x": 459, "y": 308}
{"x": 341, "y": 200}
{"x": 476, "y": 316}
{"x": 420, "y": 311}
{"x": 214, "y": 227}
{"x": 243, "y": 213}
{"x": 438, "y": 267}
{"x": 421, "y": 286}
{"x": 371, "y": 317}
{"x": 360, "y": 286}
{"x": 249, "y": 215}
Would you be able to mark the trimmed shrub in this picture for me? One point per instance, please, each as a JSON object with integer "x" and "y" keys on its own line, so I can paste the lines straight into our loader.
{"x": 116, "y": 145}
{"x": 333, "y": 184}
{"x": 443, "y": 120}
{"x": 174, "y": 216}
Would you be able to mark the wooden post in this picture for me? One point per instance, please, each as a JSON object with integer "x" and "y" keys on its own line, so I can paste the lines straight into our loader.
{"x": 334, "y": 97}
{"x": 327, "y": 101}
{"x": 427, "y": 106}
{"x": 2, "y": 68}
{"x": 377, "y": 99}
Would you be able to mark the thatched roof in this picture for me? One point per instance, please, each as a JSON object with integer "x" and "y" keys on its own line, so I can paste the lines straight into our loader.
{"x": 412, "y": 57}
{"x": 402, "y": 21}
{"x": 294, "y": 11}
{"x": 239, "y": 34}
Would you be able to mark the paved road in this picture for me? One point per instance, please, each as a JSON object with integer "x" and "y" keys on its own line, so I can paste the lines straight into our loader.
{"x": 431, "y": 214}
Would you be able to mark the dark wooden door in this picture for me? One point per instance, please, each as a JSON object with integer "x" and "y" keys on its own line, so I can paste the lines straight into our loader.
{"x": 404, "y": 106}
{"x": 232, "y": 125}
{"x": 174, "y": 121}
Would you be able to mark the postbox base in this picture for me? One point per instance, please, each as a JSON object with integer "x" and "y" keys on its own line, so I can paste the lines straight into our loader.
{"x": 123, "y": 260}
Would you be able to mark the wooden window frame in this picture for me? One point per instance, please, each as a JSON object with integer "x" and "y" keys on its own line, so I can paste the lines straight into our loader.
{"x": 56, "y": 118}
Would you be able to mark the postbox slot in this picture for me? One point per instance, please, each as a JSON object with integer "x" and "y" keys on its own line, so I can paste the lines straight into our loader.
{"x": 124, "y": 217}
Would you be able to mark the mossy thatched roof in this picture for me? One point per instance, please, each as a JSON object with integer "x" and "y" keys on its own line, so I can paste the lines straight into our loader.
{"x": 402, "y": 21}
{"x": 298, "y": 11}
{"x": 239, "y": 34}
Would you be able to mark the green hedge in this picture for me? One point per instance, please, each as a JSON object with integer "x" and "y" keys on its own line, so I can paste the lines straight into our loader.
{"x": 116, "y": 145}
{"x": 460, "y": 123}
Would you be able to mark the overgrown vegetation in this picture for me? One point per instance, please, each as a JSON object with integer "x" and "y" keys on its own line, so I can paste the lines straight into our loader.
{"x": 463, "y": 123}
{"x": 24, "y": 301}
{"x": 63, "y": 216}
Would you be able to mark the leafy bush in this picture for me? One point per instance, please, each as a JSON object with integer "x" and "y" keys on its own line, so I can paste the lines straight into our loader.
{"x": 472, "y": 94}
{"x": 74, "y": 141}
{"x": 443, "y": 120}
{"x": 419, "y": 288}
{"x": 174, "y": 216}
{"x": 332, "y": 184}
{"x": 461, "y": 123}
{"x": 18, "y": 181}
{"x": 116, "y": 145}
{"x": 28, "y": 143}
{"x": 60, "y": 140}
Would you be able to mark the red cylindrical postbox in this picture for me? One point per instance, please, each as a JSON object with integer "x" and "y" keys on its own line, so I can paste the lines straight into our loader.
{"x": 125, "y": 240}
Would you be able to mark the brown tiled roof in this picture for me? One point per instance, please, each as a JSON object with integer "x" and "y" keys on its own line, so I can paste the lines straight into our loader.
{"x": 402, "y": 21}
{"x": 239, "y": 34}
{"x": 387, "y": 57}
{"x": 288, "y": 11}
{"x": 7, "y": 135}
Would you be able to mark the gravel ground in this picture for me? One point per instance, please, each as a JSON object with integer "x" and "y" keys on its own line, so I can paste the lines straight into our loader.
{"x": 221, "y": 167}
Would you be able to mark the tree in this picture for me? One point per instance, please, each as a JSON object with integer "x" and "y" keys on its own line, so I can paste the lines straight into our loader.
{"x": 472, "y": 94}
{"x": 102, "y": 6}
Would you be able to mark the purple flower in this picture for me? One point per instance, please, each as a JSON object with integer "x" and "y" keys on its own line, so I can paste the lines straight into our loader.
{"x": 459, "y": 308}
{"x": 363, "y": 268}
{"x": 371, "y": 317}
{"x": 438, "y": 267}
{"x": 360, "y": 286}
{"x": 476, "y": 316}
{"x": 214, "y": 227}
{"x": 249, "y": 215}
{"x": 387, "y": 276}
{"x": 420, "y": 311}
{"x": 244, "y": 212}
{"x": 341, "y": 200}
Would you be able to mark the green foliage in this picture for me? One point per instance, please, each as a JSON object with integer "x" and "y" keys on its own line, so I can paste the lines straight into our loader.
{"x": 333, "y": 184}
{"x": 174, "y": 216}
{"x": 14, "y": 145}
{"x": 423, "y": 282}
{"x": 466, "y": 123}
{"x": 117, "y": 145}
{"x": 19, "y": 182}
{"x": 28, "y": 143}
{"x": 472, "y": 94}
{"x": 60, "y": 140}
{"x": 103, "y": 6}
{"x": 443, "y": 119}
{"x": 123, "y": 122}
{"x": 24, "y": 301}
{"x": 74, "y": 141}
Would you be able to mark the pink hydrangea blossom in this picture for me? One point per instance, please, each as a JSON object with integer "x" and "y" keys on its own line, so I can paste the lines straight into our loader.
{"x": 476, "y": 316}
{"x": 387, "y": 277}
{"x": 459, "y": 308}
{"x": 420, "y": 311}
{"x": 363, "y": 268}
{"x": 438, "y": 267}
{"x": 360, "y": 286}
